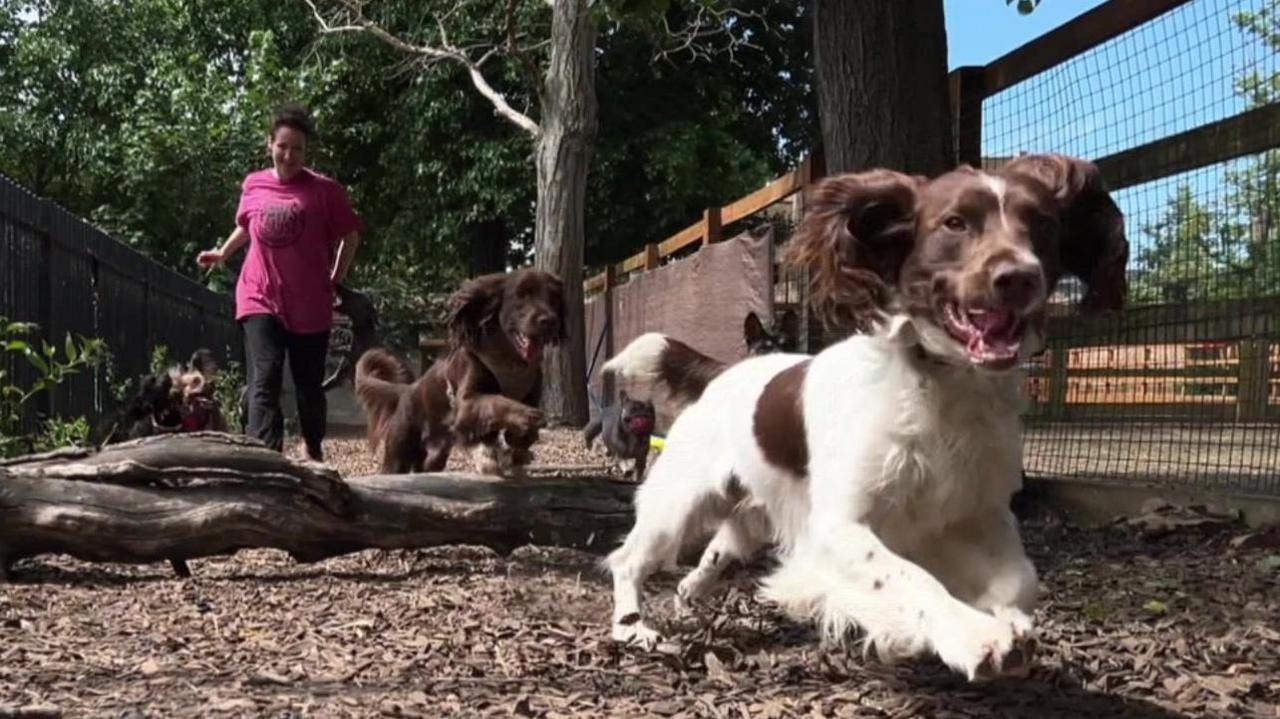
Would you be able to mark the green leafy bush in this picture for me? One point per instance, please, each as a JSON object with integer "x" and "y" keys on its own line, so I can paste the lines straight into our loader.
{"x": 77, "y": 354}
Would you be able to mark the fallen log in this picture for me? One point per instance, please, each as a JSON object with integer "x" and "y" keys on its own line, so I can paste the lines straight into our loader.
{"x": 176, "y": 497}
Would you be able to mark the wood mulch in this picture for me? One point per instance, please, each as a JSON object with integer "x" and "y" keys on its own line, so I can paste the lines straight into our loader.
{"x": 1181, "y": 624}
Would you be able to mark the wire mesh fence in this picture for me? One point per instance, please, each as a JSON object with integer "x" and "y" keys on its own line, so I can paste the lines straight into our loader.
{"x": 1181, "y": 113}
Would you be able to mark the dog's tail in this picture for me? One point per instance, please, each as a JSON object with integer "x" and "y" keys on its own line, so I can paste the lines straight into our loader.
{"x": 657, "y": 359}
{"x": 381, "y": 379}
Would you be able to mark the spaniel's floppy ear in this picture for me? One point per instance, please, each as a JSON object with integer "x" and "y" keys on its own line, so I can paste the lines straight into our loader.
{"x": 202, "y": 361}
{"x": 858, "y": 230}
{"x": 472, "y": 306}
{"x": 1093, "y": 245}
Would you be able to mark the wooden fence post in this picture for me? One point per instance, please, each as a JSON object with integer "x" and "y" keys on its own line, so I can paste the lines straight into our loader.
{"x": 968, "y": 90}
{"x": 808, "y": 322}
{"x": 1252, "y": 383}
{"x": 711, "y": 229}
{"x": 812, "y": 169}
{"x": 610, "y": 279}
{"x": 1059, "y": 359}
{"x": 650, "y": 256}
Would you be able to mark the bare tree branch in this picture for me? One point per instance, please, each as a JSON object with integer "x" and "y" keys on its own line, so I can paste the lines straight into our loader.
{"x": 355, "y": 21}
{"x": 710, "y": 33}
{"x": 513, "y": 48}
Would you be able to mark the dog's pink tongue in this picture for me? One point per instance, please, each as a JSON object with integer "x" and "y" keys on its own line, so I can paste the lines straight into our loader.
{"x": 994, "y": 336}
{"x": 529, "y": 350}
{"x": 991, "y": 321}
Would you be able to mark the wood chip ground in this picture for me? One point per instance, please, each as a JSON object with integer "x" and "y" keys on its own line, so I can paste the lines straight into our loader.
{"x": 1185, "y": 625}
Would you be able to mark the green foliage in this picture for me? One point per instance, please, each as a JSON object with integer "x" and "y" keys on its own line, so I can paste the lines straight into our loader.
{"x": 57, "y": 433}
{"x": 227, "y": 393}
{"x": 1229, "y": 249}
{"x": 144, "y": 116}
{"x": 1263, "y": 25}
{"x": 160, "y": 359}
{"x": 696, "y": 128}
{"x": 51, "y": 369}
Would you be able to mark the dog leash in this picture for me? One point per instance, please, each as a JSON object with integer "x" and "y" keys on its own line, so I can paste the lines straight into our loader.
{"x": 592, "y": 367}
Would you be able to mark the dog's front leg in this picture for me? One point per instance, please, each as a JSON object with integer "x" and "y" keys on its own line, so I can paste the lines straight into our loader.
{"x": 485, "y": 415}
{"x": 844, "y": 576}
{"x": 982, "y": 562}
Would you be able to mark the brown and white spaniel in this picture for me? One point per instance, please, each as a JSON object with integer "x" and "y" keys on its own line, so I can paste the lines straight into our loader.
{"x": 883, "y": 466}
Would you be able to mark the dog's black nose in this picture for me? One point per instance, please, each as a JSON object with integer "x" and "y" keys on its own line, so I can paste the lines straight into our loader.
{"x": 1016, "y": 285}
{"x": 546, "y": 323}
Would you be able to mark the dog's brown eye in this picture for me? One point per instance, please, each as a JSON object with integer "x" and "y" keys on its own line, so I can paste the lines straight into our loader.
{"x": 955, "y": 223}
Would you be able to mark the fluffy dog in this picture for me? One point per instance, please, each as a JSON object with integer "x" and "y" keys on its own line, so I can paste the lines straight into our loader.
{"x": 884, "y": 465}
{"x": 180, "y": 399}
{"x": 484, "y": 391}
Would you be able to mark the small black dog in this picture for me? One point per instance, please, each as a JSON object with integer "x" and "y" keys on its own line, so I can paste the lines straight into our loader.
{"x": 783, "y": 337}
{"x": 180, "y": 399}
{"x": 625, "y": 429}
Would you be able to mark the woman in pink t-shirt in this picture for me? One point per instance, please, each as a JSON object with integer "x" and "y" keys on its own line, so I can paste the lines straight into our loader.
{"x": 302, "y": 235}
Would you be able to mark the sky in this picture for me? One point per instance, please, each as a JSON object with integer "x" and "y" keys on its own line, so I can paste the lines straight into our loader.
{"x": 1172, "y": 74}
{"x": 979, "y": 31}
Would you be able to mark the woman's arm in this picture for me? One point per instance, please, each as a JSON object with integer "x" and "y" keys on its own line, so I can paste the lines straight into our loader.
{"x": 346, "y": 253}
{"x": 239, "y": 238}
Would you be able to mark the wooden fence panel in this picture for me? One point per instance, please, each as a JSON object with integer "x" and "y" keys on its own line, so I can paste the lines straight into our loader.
{"x": 68, "y": 277}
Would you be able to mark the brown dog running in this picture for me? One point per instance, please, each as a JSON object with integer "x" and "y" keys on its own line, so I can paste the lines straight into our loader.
{"x": 484, "y": 391}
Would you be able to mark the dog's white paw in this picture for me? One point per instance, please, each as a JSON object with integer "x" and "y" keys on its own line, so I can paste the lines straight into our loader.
{"x": 636, "y": 634}
{"x": 988, "y": 646}
{"x": 690, "y": 591}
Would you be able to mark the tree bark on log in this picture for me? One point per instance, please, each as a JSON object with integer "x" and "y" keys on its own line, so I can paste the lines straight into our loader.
{"x": 178, "y": 497}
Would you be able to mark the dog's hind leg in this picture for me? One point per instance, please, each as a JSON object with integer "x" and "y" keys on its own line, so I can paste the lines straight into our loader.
{"x": 681, "y": 492}
{"x": 638, "y": 468}
{"x": 402, "y": 450}
{"x": 739, "y": 537}
{"x": 591, "y": 431}
{"x": 437, "y": 454}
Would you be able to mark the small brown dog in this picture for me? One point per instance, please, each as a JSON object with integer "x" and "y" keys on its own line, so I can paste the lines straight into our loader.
{"x": 484, "y": 392}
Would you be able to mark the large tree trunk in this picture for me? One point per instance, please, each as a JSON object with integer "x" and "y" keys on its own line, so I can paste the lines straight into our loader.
{"x": 177, "y": 497}
{"x": 881, "y": 74}
{"x": 564, "y": 156}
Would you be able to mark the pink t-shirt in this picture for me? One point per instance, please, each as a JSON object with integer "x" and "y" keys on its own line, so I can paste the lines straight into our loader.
{"x": 294, "y": 227}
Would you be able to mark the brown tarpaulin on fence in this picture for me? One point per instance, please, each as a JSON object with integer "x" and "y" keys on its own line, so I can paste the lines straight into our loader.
{"x": 700, "y": 300}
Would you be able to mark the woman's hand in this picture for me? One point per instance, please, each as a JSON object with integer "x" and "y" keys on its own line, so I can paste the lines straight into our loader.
{"x": 210, "y": 258}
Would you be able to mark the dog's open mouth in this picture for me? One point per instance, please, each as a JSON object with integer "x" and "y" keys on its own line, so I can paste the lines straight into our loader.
{"x": 529, "y": 348}
{"x": 991, "y": 336}
{"x": 640, "y": 426}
